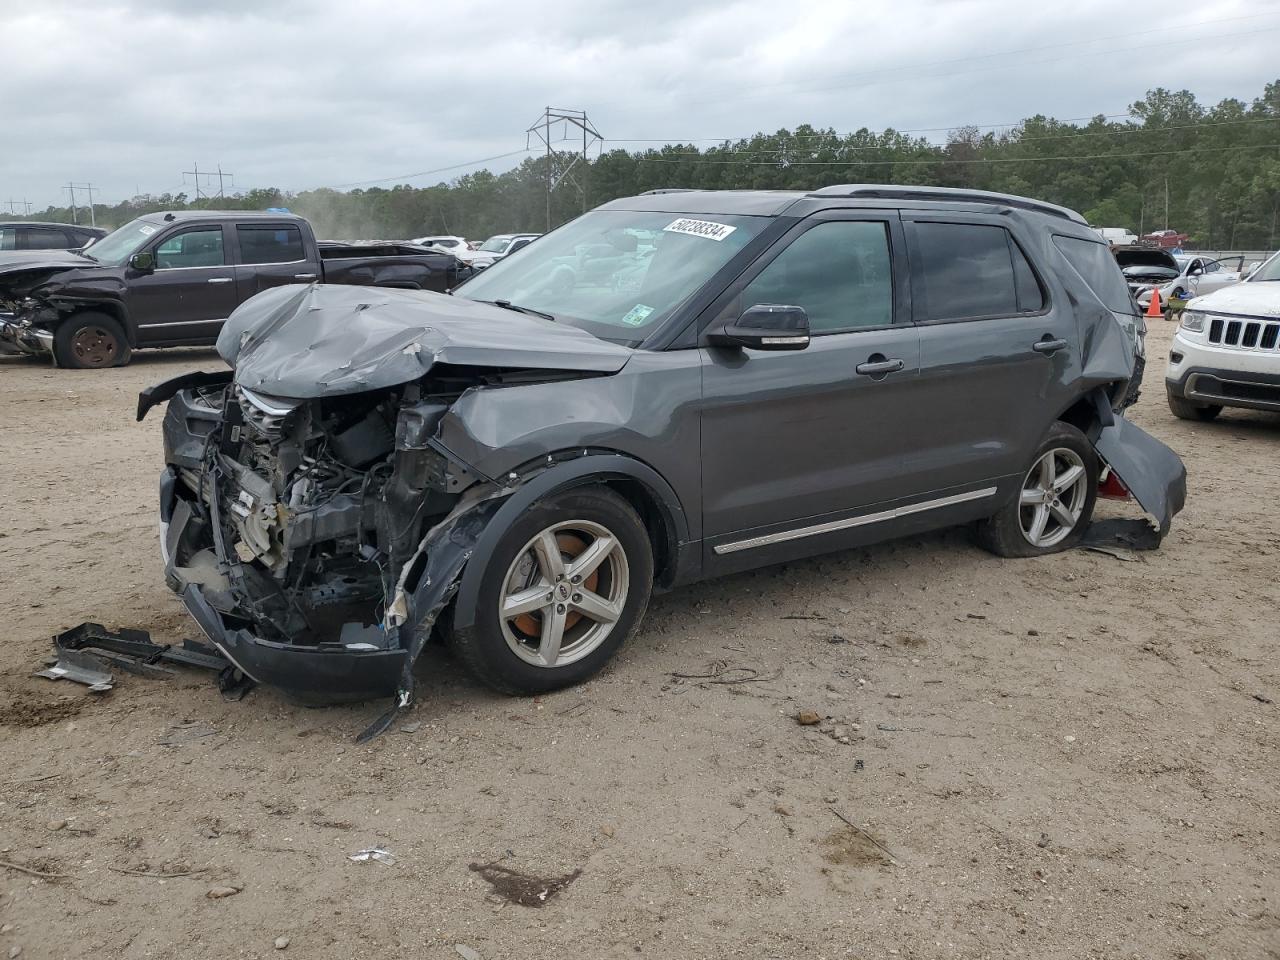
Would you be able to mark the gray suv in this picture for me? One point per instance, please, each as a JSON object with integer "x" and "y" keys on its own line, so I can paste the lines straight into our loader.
{"x": 740, "y": 378}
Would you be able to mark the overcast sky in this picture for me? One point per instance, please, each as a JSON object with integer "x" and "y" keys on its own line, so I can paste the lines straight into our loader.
{"x": 305, "y": 94}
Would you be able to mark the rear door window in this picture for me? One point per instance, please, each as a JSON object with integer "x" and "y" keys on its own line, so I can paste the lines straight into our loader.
{"x": 44, "y": 238}
{"x": 1097, "y": 266}
{"x": 270, "y": 244}
{"x": 966, "y": 271}
{"x": 8, "y": 238}
{"x": 838, "y": 271}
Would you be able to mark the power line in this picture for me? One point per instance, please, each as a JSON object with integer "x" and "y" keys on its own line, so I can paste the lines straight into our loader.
{"x": 944, "y": 159}
{"x": 836, "y": 144}
{"x": 426, "y": 173}
{"x": 1124, "y": 130}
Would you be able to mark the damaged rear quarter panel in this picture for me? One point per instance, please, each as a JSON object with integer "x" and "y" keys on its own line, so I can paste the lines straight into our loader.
{"x": 650, "y": 410}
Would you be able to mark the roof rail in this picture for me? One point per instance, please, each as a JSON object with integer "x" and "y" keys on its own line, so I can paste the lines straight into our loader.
{"x": 650, "y": 193}
{"x": 881, "y": 191}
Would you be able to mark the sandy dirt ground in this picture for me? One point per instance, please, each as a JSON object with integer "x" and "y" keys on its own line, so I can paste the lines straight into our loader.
{"x": 1073, "y": 756}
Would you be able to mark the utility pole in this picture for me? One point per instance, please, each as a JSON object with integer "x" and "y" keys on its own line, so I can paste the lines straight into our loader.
{"x": 194, "y": 173}
{"x": 72, "y": 188}
{"x": 88, "y": 188}
{"x": 221, "y": 175}
{"x": 561, "y": 164}
{"x": 1166, "y": 203}
{"x": 26, "y": 207}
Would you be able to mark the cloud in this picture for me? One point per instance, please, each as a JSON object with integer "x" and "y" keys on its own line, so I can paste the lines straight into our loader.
{"x": 298, "y": 94}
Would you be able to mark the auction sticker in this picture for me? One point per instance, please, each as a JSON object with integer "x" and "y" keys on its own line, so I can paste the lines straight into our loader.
{"x": 700, "y": 228}
{"x": 637, "y": 315}
{"x": 146, "y": 231}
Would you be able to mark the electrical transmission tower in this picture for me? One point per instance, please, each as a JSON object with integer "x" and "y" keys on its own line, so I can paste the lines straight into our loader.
{"x": 14, "y": 204}
{"x": 87, "y": 188}
{"x": 561, "y": 165}
{"x": 195, "y": 174}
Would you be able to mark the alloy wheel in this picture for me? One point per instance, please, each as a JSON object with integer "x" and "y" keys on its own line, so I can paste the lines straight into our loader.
{"x": 563, "y": 593}
{"x": 1053, "y": 497}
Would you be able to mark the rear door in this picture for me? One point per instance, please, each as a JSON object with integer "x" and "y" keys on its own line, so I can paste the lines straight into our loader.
{"x": 191, "y": 291}
{"x": 792, "y": 441}
{"x": 270, "y": 255}
{"x": 997, "y": 356}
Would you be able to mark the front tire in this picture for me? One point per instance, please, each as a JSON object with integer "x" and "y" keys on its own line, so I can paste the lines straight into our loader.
{"x": 90, "y": 341}
{"x": 566, "y": 585}
{"x": 1054, "y": 502}
{"x": 1184, "y": 409}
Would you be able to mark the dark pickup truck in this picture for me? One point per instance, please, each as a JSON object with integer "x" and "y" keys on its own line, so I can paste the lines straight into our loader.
{"x": 172, "y": 279}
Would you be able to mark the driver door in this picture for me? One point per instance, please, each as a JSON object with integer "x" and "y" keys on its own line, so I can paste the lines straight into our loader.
{"x": 191, "y": 291}
{"x": 795, "y": 442}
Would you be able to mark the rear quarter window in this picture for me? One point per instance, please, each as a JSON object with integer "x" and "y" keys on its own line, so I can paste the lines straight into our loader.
{"x": 1097, "y": 267}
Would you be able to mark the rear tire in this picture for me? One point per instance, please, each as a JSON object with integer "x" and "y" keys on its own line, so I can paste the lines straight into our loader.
{"x": 89, "y": 341}
{"x": 1054, "y": 502}
{"x": 1185, "y": 409}
{"x": 531, "y": 634}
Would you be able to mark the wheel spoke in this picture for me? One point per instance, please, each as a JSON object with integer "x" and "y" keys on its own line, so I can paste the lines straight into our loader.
{"x": 585, "y": 563}
{"x": 1067, "y": 479}
{"x": 1063, "y": 515}
{"x": 596, "y": 607}
{"x": 525, "y": 601}
{"x": 1033, "y": 497}
{"x": 1038, "y": 523}
{"x": 1048, "y": 469}
{"x": 549, "y": 560}
{"x": 552, "y": 634}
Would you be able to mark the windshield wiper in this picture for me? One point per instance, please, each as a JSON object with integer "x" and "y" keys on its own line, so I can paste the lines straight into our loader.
{"x": 87, "y": 256}
{"x": 508, "y": 305}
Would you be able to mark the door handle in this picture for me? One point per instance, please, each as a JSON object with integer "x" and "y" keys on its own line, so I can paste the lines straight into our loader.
{"x": 304, "y": 276}
{"x": 1047, "y": 346}
{"x": 220, "y": 280}
{"x": 878, "y": 368}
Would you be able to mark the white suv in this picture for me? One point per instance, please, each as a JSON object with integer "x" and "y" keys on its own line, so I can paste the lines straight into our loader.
{"x": 1226, "y": 352}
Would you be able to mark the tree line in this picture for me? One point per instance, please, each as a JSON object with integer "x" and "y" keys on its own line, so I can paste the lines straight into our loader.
{"x": 1210, "y": 171}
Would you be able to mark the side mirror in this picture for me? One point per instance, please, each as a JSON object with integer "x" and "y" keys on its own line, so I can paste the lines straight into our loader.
{"x": 143, "y": 262}
{"x": 765, "y": 326}
{"x": 1196, "y": 271}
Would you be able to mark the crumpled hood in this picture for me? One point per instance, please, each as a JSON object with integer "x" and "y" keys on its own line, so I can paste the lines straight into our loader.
{"x": 318, "y": 340}
{"x": 1254, "y": 298}
{"x": 21, "y": 261}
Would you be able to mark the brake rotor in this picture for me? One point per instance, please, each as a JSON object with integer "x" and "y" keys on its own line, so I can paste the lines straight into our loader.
{"x": 571, "y": 545}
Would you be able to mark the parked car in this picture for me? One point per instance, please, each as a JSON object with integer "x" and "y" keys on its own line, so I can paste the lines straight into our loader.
{"x": 1117, "y": 236}
{"x": 1165, "y": 239}
{"x": 499, "y": 246}
{"x": 455, "y": 245}
{"x": 1226, "y": 351}
{"x": 172, "y": 279}
{"x": 29, "y": 235}
{"x": 522, "y": 463}
{"x": 1174, "y": 275}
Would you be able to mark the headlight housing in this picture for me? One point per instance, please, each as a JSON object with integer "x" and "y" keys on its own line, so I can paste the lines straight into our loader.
{"x": 1193, "y": 321}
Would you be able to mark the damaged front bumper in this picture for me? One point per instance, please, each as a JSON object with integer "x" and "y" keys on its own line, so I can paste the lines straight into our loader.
{"x": 320, "y": 674}
{"x": 17, "y": 338}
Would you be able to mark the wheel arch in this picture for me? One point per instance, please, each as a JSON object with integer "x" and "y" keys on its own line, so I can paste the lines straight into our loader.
{"x": 636, "y": 482}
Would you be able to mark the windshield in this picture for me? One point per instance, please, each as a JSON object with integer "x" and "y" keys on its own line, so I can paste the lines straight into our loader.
{"x": 496, "y": 244}
{"x": 1269, "y": 270}
{"x": 115, "y": 248}
{"x": 616, "y": 273}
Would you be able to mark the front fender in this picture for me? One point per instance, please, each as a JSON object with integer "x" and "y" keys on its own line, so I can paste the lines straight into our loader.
{"x": 563, "y": 475}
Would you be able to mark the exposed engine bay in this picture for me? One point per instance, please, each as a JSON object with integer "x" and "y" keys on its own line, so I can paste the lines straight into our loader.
{"x": 312, "y": 508}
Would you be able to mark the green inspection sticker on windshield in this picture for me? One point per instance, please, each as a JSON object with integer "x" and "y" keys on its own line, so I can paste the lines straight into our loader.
{"x": 637, "y": 315}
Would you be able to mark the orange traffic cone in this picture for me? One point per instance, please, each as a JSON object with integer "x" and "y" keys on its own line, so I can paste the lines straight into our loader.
{"x": 1153, "y": 308}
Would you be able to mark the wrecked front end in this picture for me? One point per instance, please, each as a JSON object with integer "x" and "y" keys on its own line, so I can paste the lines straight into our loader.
{"x": 295, "y": 531}
{"x": 311, "y": 521}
